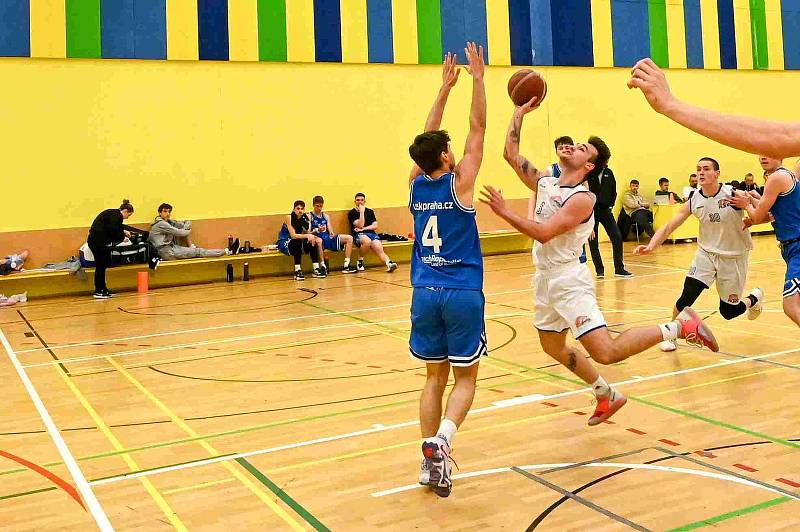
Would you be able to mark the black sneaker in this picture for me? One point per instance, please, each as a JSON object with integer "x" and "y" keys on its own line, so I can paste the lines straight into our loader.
{"x": 153, "y": 263}
{"x": 360, "y": 266}
{"x": 319, "y": 273}
{"x": 392, "y": 266}
{"x": 601, "y": 275}
{"x": 324, "y": 270}
{"x": 328, "y": 264}
{"x": 105, "y": 294}
{"x": 298, "y": 275}
{"x": 234, "y": 248}
{"x": 623, "y": 273}
{"x": 349, "y": 269}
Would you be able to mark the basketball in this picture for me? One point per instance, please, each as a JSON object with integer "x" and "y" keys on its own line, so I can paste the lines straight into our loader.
{"x": 526, "y": 84}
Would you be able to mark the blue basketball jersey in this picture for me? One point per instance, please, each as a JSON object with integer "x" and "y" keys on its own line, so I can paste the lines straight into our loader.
{"x": 317, "y": 221}
{"x": 447, "y": 250}
{"x": 786, "y": 211}
{"x": 284, "y": 234}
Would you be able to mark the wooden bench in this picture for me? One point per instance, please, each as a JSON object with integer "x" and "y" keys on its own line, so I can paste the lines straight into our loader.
{"x": 209, "y": 270}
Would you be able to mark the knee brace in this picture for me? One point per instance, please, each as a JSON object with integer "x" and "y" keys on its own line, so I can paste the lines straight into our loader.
{"x": 729, "y": 311}
{"x": 692, "y": 288}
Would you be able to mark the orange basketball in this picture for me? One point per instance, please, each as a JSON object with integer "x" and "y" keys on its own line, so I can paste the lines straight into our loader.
{"x": 526, "y": 84}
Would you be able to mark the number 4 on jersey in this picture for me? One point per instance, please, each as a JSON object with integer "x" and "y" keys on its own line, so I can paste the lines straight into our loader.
{"x": 430, "y": 235}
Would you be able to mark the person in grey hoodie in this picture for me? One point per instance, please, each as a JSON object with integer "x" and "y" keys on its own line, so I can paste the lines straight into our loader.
{"x": 165, "y": 235}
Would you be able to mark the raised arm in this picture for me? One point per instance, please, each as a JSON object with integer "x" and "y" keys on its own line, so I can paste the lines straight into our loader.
{"x": 572, "y": 213}
{"x": 467, "y": 168}
{"x": 760, "y": 137}
{"x": 450, "y": 73}
{"x": 526, "y": 171}
{"x": 664, "y": 231}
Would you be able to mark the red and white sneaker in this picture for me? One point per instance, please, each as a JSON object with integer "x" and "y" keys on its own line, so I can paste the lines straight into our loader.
{"x": 607, "y": 406}
{"x": 436, "y": 460}
{"x": 695, "y": 331}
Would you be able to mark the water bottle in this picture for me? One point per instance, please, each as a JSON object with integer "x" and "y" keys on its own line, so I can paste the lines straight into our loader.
{"x": 246, "y": 275}
{"x": 229, "y": 273}
{"x": 230, "y": 241}
{"x": 247, "y": 246}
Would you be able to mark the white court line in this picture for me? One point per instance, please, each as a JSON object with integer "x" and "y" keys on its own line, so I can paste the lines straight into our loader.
{"x": 614, "y": 465}
{"x": 86, "y": 492}
{"x": 264, "y": 322}
{"x": 244, "y": 338}
{"x": 495, "y": 406}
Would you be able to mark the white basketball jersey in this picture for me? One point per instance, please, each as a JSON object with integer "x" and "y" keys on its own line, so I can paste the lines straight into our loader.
{"x": 568, "y": 247}
{"x": 720, "y": 223}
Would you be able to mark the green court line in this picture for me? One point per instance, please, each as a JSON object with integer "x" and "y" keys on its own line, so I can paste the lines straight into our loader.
{"x": 272, "y": 30}
{"x": 731, "y": 515}
{"x": 22, "y": 494}
{"x": 282, "y": 495}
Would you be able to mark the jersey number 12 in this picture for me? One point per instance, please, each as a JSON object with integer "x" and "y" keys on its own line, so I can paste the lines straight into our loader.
{"x": 430, "y": 235}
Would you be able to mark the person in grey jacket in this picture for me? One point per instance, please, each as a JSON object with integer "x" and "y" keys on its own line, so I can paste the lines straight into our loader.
{"x": 165, "y": 235}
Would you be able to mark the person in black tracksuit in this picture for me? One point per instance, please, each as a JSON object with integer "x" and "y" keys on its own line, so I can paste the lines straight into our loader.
{"x": 106, "y": 230}
{"x": 604, "y": 187}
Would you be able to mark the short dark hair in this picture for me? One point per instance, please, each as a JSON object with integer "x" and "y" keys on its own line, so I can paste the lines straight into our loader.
{"x": 317, "y": 199}
{"x": 713, "y": 162}
{"x": 427, "y": 148}
{"x": 662, "y": 181}
{"x": 126, "y": 206}
{"x": 692, "y": 175}
{"x": 164, "y": 207}
{"x": 299, "y": 202}
{"x": 748, "y": 174}
{"x": 603, "y": 155}
{"x": 634, "y": 181}
{"x": 359, "y": 194}
{"x": 564, "y": 139}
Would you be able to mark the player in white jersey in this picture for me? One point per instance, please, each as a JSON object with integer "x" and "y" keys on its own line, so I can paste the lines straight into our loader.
{"x": 564, "y": 288}
{"x": 723, "y": 248}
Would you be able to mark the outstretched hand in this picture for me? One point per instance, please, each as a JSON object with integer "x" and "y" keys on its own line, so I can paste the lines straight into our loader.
{"x": 529, "y": 106}
{"x": 450, "y": 70}
{"x": 647, "y": 77}
{"x": 641, "y": 250}
{"x": 475, "y": 64}
{"x": 494, "y": 199}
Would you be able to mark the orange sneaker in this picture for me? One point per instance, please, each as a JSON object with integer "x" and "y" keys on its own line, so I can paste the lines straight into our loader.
{"x": 695, "y": 331}
{"x": 607, "y": 406}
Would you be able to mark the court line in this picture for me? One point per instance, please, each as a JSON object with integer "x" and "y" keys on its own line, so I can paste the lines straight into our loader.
{"x": 579, "y": 499}
{"x": 199, "y": 486}
{"x": 730, "y": 515}
{"x": 187, "y": 429}
{"x": 95, "y": 509}
{"x": 52, "y": 477}
{"x": 609, "y": 465}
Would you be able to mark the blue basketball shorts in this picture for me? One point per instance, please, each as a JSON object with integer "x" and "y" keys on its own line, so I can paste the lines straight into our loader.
{"x": 791, "y": 254}
{"x": 371, "y": 236}
{"x": 447, "y": 325}
{"x": 332, "y": 244}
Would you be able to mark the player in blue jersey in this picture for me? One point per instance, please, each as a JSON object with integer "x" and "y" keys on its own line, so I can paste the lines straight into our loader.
{"x": 447, "y": 328}
{"x": 776, "y": 140}
{"x": 321, "y": 226}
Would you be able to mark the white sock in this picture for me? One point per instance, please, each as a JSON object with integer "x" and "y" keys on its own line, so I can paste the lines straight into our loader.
{"x": 315, "y": 265}
{"x": 670, "y": 331}
{"x": 601, "y": 387}
{"x": 297, "y": 267}
{"x": 388, "y": 262}
{"x": 447, "y": 431}
{"x": 347, "y": 262}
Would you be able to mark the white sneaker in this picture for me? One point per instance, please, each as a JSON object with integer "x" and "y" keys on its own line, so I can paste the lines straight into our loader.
{"x": 424, "y": 472}
{"x": 755, "y": 311}
{"x": 668, "y": 345}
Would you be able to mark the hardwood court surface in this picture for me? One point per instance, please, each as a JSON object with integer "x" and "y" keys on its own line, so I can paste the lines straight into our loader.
{"x": 274, "y": 405}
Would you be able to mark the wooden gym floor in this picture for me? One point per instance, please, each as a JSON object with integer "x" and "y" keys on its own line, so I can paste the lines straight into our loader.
{"x": 272, "y": 405}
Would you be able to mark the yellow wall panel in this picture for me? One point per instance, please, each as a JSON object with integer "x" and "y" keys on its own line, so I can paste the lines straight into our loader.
{"x": 499, "y": 33}
{"x": 182, "y": 30}
{"x": 602, "y": 42}
{"x": 48, "y": 28}
{"x": 243, "y": 30}
{"x": 355, "y": 45}
{"x": 300, "y": 31}
{"x": 676, "y": 34}
{"x": 710, "y": 25}
{"x": 404, "y": 25}
{"x": 774, "y": 34}
{"x": 744, "y": 40}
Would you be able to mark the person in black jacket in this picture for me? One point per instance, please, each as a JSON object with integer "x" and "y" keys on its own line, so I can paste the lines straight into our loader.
{"x": 604, "y": 187}
{"x": 106, "y": 230}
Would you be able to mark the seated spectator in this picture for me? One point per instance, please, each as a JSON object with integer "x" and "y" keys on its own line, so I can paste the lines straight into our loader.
{"x": 364, "y": 224}
{"x": 663, "y": 190}
{"x": 749, "y": 184}
{"x": 635, "y": 206}
{"x": 295, "y": 239}
{"x": 687, "y": 191}
{"x": 166, "y": 235}
{"x": 13, "y": 263}
{"x": 321, "y": 227}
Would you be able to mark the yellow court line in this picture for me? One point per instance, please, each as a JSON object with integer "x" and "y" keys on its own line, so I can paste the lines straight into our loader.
{"x": 211, "y": 450}
{"x": 199, "y": 486}
{"x": 130, "y": 462}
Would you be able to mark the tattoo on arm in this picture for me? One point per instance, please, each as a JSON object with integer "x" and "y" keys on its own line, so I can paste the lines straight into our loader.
{"x": 514, "y": 136}
{"x": 525, "y": 166}
{"x": 573, "y": 360}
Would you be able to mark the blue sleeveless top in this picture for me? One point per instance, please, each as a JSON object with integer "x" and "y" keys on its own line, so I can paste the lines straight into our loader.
{"x": 447, "y": 250}
{"x": 317, "y": 221}
{"x": 786, "y": 211}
